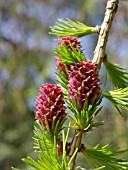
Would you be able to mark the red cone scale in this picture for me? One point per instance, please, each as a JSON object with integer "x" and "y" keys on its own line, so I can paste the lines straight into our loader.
{"x": 50, "y": 104}
{"x": 83, "y": 81}
{"x": 73, "y": 40}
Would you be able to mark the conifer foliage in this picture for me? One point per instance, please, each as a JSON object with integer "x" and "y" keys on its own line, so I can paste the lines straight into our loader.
{"x": 80, "y": 93}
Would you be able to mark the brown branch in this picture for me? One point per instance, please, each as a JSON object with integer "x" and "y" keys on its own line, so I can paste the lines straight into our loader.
{"x": 100, "y": 49}
{"x": 76, "y": 144}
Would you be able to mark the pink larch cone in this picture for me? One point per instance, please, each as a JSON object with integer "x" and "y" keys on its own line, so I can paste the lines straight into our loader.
{"x": 50, "y": 104}
{"x": 83, "y": 82}
{"x": 75, "y": 43}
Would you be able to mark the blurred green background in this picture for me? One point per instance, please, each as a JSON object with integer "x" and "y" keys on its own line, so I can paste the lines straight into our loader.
{"x": 27, "y": 61}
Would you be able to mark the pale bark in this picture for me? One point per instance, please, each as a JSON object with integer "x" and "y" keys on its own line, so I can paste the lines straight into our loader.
{"x": 100, "y": 49}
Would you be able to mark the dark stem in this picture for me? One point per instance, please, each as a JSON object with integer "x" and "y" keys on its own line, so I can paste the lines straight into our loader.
{"x": 76, "y": 144}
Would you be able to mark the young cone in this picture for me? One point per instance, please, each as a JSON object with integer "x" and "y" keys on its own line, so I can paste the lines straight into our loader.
{"x": 83, "y": 83}
{"x": 50, "y": 105}
{"x": 67, "y": 40}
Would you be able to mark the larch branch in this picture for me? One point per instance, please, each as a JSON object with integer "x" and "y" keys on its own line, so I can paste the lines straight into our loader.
{"x": 100, "y": 49}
